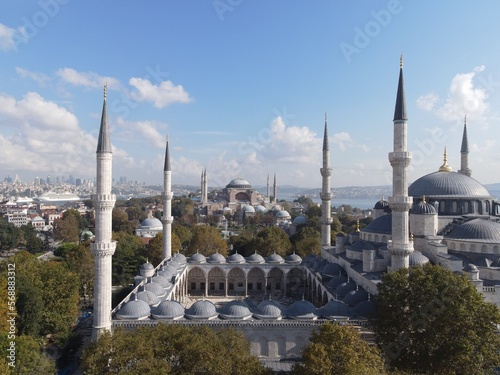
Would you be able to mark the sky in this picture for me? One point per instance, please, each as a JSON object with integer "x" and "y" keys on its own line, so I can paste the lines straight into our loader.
{"x": 241, "y": 87}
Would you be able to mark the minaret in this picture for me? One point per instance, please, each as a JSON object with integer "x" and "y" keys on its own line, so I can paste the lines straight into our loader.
{"x": 400, "y": 246}
{"x": 326, "y": 194}
{"x": 202, "y": 198}
{"x": 268, "y": 186}
{"x": 103, "y": 248}
{"x": 167, "y": 207}
{"x": 464, "y": 153}
{"x": 275, "y": 190}
{"x": 205, "y": 188}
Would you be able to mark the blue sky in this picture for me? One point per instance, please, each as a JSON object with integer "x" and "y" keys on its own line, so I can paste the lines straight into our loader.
{"x": 242, "y": 86}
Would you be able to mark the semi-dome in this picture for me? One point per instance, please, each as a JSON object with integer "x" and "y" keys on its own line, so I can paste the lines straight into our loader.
{"x": 293, "y": 259}
{"x": 151, "y": 223}
{"x": 334, "y": 309}
{"x": 477, "y": 230}
{"x": 149, "y": 297}
{"x": 201, "y": 310}
{"x": 216, "y": 258}
{"x": 197, "y": 258}
{"x": 238, "y": 310}
{"x": 275, "y": 258}
{"x": 382, "y": 225}
{"x": 239, "y": 183}
{"x": 157, "y": 289}
{"x": 255, "y": 258}
{"x": 168, "y": 310}
{"x": 302, "y": 310}
{"x": 416, "y": 258}
{"x": 236, "y": 258}
{"x": 423, "y": 208}
{"x": 134, "y": 309}
{"x": 446, "y": 185}
{"x": 269, "y": 309}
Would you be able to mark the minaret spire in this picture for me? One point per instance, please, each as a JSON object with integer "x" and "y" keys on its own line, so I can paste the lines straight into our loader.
{"x": 103, "y": 247}
{"x": 167, "y": 195}
{"x": 275, "y": 189}
{"x": 268, "y": 186}
{"x": 205, "y": 188}
{"x": 326, "y": 194}
{"x": 464, "y": 152}
{"x": 399, "y": 246}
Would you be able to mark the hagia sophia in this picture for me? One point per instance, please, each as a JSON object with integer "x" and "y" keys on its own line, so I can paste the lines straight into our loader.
{"x": 445, "y": 217}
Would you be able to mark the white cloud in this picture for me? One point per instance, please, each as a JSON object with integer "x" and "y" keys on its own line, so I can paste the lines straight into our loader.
{"x": 147, "y": 130}
{"x": 464, "y": 98}
{"x": 164, "y": 94}
{"x": 40, "y": 78}
{"x": 87, "y": 79}
{"x": 427, "y": 102}
{"x": 9, "y": 37}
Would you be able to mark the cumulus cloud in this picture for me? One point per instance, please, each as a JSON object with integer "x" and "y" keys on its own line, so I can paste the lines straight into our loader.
{"x": 87, "y": 79}
{"x": 427, "y": 102}
{"x": 161, "y": 95}
{"x": 40, "y": 78}
{"x": 147, "y": 130}
{"x": 9, "y": 37}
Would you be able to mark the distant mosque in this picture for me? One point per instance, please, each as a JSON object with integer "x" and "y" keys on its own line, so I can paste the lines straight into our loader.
{"x": 445, "y": 217}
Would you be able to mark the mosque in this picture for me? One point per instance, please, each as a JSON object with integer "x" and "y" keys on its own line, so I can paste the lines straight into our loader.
{"x": 445, "y": 217}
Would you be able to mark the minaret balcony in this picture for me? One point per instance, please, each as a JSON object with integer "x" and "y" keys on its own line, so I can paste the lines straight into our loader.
{"x": 326, "y": 196}
{"x": 326, "y": 172}
{"x": 168, "y": 196}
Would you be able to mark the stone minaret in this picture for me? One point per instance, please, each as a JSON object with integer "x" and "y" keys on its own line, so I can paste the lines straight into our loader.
{"x": 205, "y": 188}
{"x": 464, "y": 153}
{"x": 275, "y": 190}
{"x": 202, "y": 198}
{"x": 103, "y": 248}
{"x": 167, "y": 207}
{"x": 268, "y": 186}
{"x": 326, "y": 194}
{"x": 400, "y": 246}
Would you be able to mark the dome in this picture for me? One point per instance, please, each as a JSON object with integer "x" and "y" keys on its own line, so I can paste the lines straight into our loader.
{"x": 147, "y": 270}
{"x": 416, "y": 258}
{"x": 275, "y": 258}
{"x": 216, "y": 258}
{"x": 282, "y": 214}
{"x": 236, "y": 258}
{"x": 354, "y": 297}
{"x": 201, "y": 310}
{"x": 276, "y": 208}
{"x": 235, "y": 310}
{"x": 167, "y": 272}
{"x": 334, "y": 308}
{"x": 447, "y": 185}
{"x": 336, "y": 281}
{"x": 151, "y": 223}
{"x": 472, "y": 267}
{"x": 302, "y": 310}
{"x": 255, "y": 258}
{"x": 332, "y": 269}
{"x": 157, "y": 289}
{"x": 477, "y": 230}
{"x": 163, "y": 281}
{"x": 168, "y": 310}
{"x": 180, "y": 258}
{"x": 260, "y": 208}
{"x": 197, "y": 258}
{"x": 147, "y": 266}
{"x": 365, "y": 309}
{"x": 381, "y": 205}
{"x": 149, "y": 297}
{"x": 382, "y": 225}
{"x": 293, "y": 259}
{"x": 269, "y": 309}
{"x": 247, "y": 209}
{"x": 239, "y": 183}
{"x": 134, "y": 309}
{"x": 423, "y": 208}
{"x": 344, "y": 288}
{"x": 300, "y": 220}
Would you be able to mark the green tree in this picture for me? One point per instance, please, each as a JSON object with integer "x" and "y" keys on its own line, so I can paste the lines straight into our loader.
{"x": 121, "y": 222}
{"x": 335, "y": 349}
{"x": 271, "y": 240}
{"x": 80, "y": 261}
{"x": 33, "y": 243}
{"x": 82, "y": 222}
{"x": 66, "y": 229}
{"x": 207, "y": 240}
{"x": 431, "y": 321}
{"x": 9, "y": 235}
{"x": 128, "y": 257}
{"x": 171, "y": 349}
{"x": 184, "y": 234}
{"x": 30, "y": 358}
{"x": 153, "y": 250}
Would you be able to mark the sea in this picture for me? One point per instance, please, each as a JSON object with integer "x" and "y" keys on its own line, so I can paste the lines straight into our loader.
{"x": 362, "y": 203}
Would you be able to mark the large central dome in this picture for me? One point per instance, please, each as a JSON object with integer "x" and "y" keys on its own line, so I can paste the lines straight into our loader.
{"x": 447, "y": 185}
{"x": 239, "y": 183}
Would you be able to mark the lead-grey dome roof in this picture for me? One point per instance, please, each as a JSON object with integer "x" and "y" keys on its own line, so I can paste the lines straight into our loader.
{"x": 134, "y": 309}
{"x": 157, "y": 289}
{"x": 354, "y": 297}
{"x": 168, "y": 310}
{"x": 381, "y": 205}
{"x": 334, "y": 308}
{"x": 216, "y": 258}
{"x": 332, "y": 269}
{"x": 382, "y": 225}
{"x": 269, "y": 309}
{"x": 302, "y": 310}
{"x": 236, "y": 258}
{"x": 477, "y": 230}
{"x": 201, "y": 310}
{"x": 255, "y": 258}
{"x": 447, "y": 184}
{"x": 365, "y": 309}
{"x": 235, "y": 310}
{"x": 423, "y": 208}
{"x": 293, "y": 259}
{"x": 274, "y": 258}
{"x": 197, "y": 258}
{"x": 149, "y": 297}
{"x": 416, "y": 258}
{"x": 151, "y": 223}
{"x": 163, "y": 281}
{"x": 239, "y": 183}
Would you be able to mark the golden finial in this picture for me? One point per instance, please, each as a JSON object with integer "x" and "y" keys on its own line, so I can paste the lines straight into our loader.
{"x": 357, "y": 225}
{"x": 445, "y": 167}
{"x": 423, "y": 199}
{"x": 105, "y": 89}
{"x": 401, "y": 61}
{"x": 411, "y": 237}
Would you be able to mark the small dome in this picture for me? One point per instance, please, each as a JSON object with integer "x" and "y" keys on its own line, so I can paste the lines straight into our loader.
{"x": 354, "y": 297}
{"x": 332, "y": 269}
{"x": 276, "y": 208}
{"x": 302, "y": 310}
{"x": 333, "y": 309}
{"x": 149, "y": 297}
{"x": 293, "y": 259}
{"x": 335, "y": 281}
{"x": 261, "y": 209}
{"x": 157, "y": 289}
{"x": 163, "y": 281}
{"x": 365, "y": 309}
{"x": 255, "y": 258}
{"x": 423, "y": 208}
{"x": 168, "y": 310}
{"x": 300, "y": 220}
{"x": 417, "y": 258}
{"x": 201, "y": 310}
{"x": 235, "y": 310}
{"x": 180, "y": 258}
{"x": 282, "y": 214}
{"x": 197, "y": 258}
{"x": 236, "y": 258}
{"x": 472, "y": 267}
{"x": 167, "y": 272}
{"x": 134, "y": 309}
{"x": 147, "y": 266}
{"x": 275, "y": 258}
{"x": 479, "y": 230}
{"x": 151, "y": 223}
{"x": 344, "y": 288}
{"x": 381, "y": 205}
{"x": 216, "y": 258}
{"x": 247, "y": 209}
{"x": 269, "y": 309}
{"x": 239, "y": 183}
{"x": 382, "y": 225}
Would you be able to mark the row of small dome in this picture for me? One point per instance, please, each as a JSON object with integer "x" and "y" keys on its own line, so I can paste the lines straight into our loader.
{"x": 239, "y": 259}
{"x": 420, "y": 208}
{"x": 138, "y": 309}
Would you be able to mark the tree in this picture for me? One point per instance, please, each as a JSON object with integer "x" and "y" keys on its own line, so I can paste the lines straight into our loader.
{"x": 184, "y": 234}
{"x": 307, "y": 241}
{"x": 154, "y": 251}
{"x": 30, "y": 358}
{"x": 81, "y": 262}
{"x": 33, "y": 243}
{"x": 271, "y": 240}
{"x": 207, "y": 240}
{"x": 120, "y": 222}
{"x": 335, "y": 349}
{"x": 9, "y": 235}
{"x": 82, "y": 222}
{"x": 171, "y": 349}
{"x": 128, "y": 257}
{"x": 431, "y": 321}
{"x": 66, "y": 229}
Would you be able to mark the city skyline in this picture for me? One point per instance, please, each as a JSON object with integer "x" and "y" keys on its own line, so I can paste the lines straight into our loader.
{"x": 242, "y": 87}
